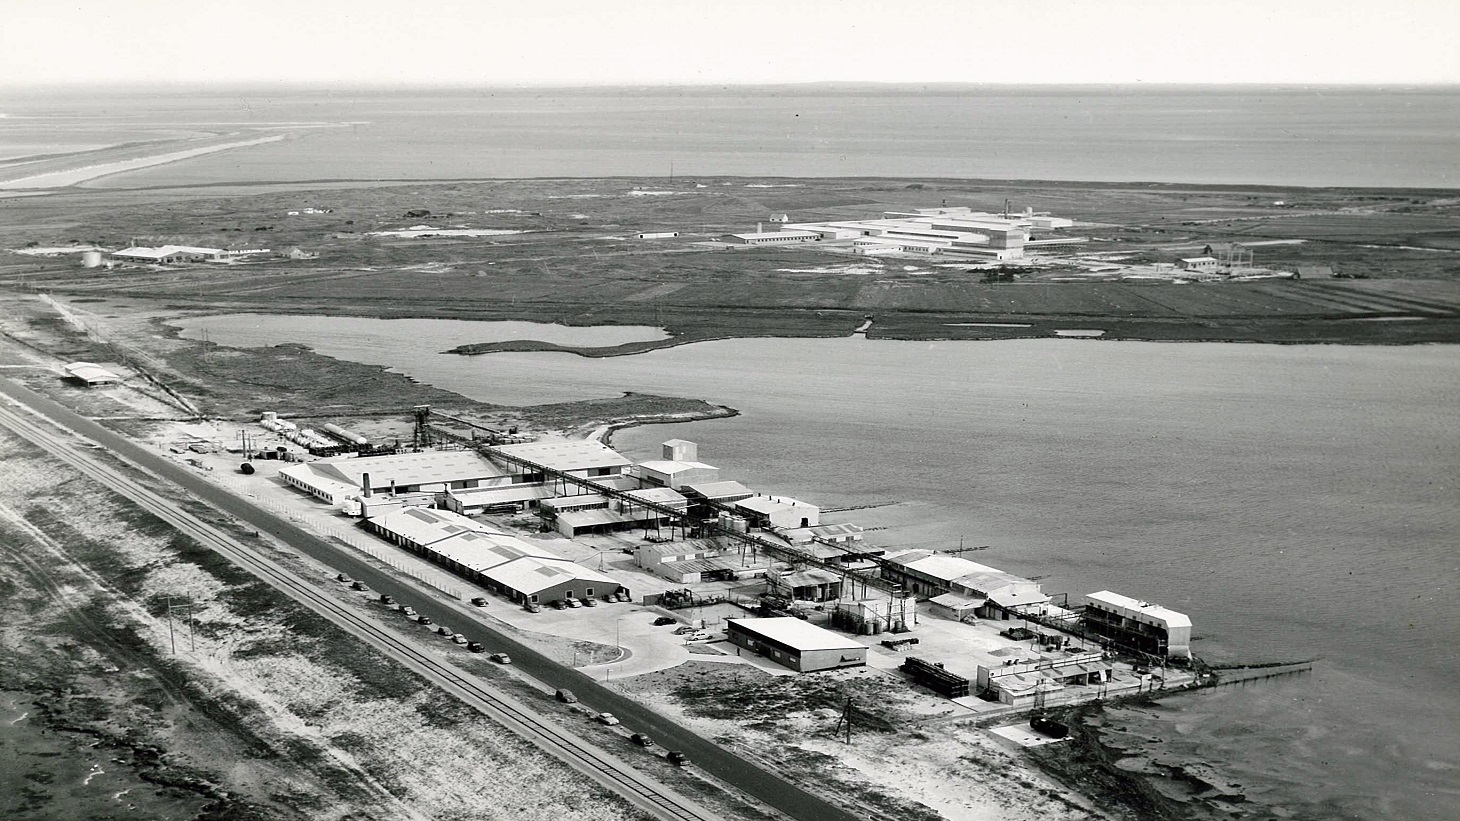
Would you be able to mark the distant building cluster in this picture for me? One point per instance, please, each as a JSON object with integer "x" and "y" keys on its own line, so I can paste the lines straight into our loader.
{"x": 946, "y": 230}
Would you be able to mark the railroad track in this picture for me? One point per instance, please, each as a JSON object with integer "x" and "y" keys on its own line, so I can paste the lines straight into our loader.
{"x": 610, "y": 771}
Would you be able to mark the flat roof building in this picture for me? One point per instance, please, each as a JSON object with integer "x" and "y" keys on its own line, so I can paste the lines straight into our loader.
{"x": 90, "y": 373}
{"x": 797, "y": 644}
{"x": 169, "y": 254}
{"x": 1138, "y": 625}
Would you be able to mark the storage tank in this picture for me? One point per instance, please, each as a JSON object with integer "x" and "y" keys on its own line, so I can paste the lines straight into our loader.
{"x": 345, "y": 435}
{"x": 91, "y": 259}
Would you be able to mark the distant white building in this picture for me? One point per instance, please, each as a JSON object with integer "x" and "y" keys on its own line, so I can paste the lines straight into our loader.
{"x": 90, "y": 373}
{"x": 170, "y": 254}
{"x": 1201, "y": 264}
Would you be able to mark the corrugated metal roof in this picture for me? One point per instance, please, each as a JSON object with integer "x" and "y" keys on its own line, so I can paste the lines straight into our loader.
{"x": 531, "y": 575}
{"x": 425, "y": 526}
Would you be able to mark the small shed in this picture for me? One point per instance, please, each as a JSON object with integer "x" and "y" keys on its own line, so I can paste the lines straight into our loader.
{"x": 91, "y": 374}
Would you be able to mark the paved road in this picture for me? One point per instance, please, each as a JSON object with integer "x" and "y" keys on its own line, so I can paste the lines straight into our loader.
{"x": 713, "y": 759}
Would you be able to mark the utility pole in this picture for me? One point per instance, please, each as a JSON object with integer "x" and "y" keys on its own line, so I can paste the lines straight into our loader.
{"x": 845, "y": 719}
{"x": 172, "y": 638}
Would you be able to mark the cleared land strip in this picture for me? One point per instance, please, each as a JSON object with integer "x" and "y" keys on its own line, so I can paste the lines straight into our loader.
{"x": 611, "y": 772}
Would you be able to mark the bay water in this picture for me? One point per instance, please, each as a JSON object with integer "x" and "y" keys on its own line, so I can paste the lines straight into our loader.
{"x": 1283, "y": 136}
{"x": 1296, "y": 501}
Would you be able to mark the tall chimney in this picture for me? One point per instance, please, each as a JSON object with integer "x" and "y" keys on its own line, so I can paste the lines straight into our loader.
{"x": 760, "y": 227}
{"x": 392, "y": 487}
{"x": 365, "y": 484}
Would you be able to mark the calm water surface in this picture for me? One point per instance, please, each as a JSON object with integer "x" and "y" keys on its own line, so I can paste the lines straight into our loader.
{"x": 1298, "y": 501}
{"x": 1314, "y": 136}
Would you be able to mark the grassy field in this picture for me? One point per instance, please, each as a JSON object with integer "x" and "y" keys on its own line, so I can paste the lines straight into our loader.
{"x": 577, "y": 260}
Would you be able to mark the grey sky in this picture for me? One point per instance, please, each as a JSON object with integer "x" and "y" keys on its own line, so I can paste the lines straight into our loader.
{"x": 728, "y": 41}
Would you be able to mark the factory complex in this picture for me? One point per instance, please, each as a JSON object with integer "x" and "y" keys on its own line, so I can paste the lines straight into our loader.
{"x": 946, "y": 230}
{"x": 522, "y": 520}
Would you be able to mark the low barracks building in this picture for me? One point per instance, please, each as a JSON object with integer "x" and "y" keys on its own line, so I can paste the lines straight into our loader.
{"x": 799, "y": 645}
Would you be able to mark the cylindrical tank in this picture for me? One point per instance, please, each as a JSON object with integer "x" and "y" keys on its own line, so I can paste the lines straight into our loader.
{"x": 345, "y": 435}
{"x": 91, "y": 259}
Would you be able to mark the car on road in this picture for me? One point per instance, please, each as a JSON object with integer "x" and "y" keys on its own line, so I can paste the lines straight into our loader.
{"x": 479, "y": 601}
{"x": 566, "y": 696}
{"x": 663, "y": 620}
{"x": 574, "y": 603}
{"x": 532, "y": 607}
{"x": 476, "y": 647}
{"x": 590, "y": 602}
{"x": 607, "y": 718}
{"x": 501, "y": 658}
{"x": 677, "y": 758}
{"x": 642, "y": 740}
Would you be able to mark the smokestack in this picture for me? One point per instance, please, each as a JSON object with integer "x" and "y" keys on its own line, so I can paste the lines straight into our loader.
{"x": 392, "y": 487}
{"x": 365, "y": 484}
{"x": 760, "y": 227}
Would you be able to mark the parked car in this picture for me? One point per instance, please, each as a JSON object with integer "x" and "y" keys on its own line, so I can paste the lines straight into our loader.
{"x": 607, "y": 718}
{"x": 459, "y": 638}
{"x": 680, "y": 631}
{"x": 677, "y": 758}
{"x": 574, "y": 603}
{"x": 590, "y": 602}
{"x": 663, "y": 620}
{"x": 532, "y": 607}
{"x": 410, "y": 612}
{"x": 642, "y": 740}
{"x": 501, "y": 658}
{"x": 479, "y": 601}
{"x": 386, "y": 598}
{"x": 423, "y": 619}
{"x": 476, "y": 647}
{"x": 443, "y": 630}
{"x": 359, "y": 586}
{"x": 566, "y": 696}
{"x": 559, "y": 605}
{"x": 342, "y": 578}
{"x": 698, "y": 635}
{"x": 621, "y": 595}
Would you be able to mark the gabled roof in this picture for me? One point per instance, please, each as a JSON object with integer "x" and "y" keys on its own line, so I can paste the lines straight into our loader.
{"x": 532, "y": 575}
{"x": 425, "y": 526}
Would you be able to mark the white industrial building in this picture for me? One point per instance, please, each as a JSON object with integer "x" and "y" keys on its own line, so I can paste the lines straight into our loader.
{"x": 946, "y": 230}
{"x": 960, "y": 585}
{"x": 90, "y": 373}
{"x": 446, "y": 471}
{"x": 797, "y": 644}
{"x": 520, "y": 570}
{"x": 1138, "y": 625}
{"x": 678, "y": 468}
{"x": 778, "y": 512}
{"x": 170, "y": 254}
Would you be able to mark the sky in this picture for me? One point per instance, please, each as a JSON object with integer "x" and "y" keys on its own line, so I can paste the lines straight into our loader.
{"x": 484, "y": 42}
